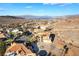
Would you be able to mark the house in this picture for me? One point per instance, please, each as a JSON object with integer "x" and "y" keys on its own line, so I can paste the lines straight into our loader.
{"x": 8, "y": 30}
{"x": 18, "y": 50}
{"x": 43, "y": 27}
{"x": 37, "y": 30}
{"x": 21, "y": 39}
{"x": 27, "y": 33}
{"x": 2, "y": 37}
{"x": 1, "y": 29}
{"x": 15, "y": 30}
{"x": 44, "y": 37}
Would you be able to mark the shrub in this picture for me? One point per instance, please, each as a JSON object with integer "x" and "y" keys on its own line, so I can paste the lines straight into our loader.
{"x": 2, "y": 48}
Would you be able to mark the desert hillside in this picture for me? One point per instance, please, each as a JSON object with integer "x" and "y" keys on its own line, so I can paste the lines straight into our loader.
{"x": 67, "y": 30}
{"x": 64, "y": 32}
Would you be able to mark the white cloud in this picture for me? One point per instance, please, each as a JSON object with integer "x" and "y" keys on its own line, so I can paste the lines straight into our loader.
{"x": 28, "y": 7}
{"x": 50, "y": 3}
{"x": 58, "y": 4}
{"x": 65, "y": 4}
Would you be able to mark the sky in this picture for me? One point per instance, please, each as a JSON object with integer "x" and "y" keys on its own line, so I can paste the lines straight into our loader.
{"x": 39, "y": 9}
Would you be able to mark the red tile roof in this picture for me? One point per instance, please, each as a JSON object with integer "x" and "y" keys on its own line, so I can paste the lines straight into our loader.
{"x": 19, "y": 48}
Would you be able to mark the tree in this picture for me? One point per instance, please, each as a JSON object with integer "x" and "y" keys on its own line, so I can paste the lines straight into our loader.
{"x": 2, "y": 48}
{"x": 31, "y": 38}
{"x": 9, "y": 40}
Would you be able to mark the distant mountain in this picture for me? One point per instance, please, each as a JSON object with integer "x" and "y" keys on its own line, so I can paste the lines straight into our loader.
{"x": 66, "y": 17}
{"x": 31, "y": 17}
{"x": 36, "y": 17}
{"x": 10, "y": 19}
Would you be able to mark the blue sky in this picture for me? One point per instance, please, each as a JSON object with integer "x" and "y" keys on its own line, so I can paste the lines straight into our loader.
{"x": 39, "y": 9}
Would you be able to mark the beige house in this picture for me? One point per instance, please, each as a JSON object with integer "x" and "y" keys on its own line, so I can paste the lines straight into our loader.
{"x": 43, "y": 27}
{"x": 2, "y": 35}
{"x": 44, "y": 37}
